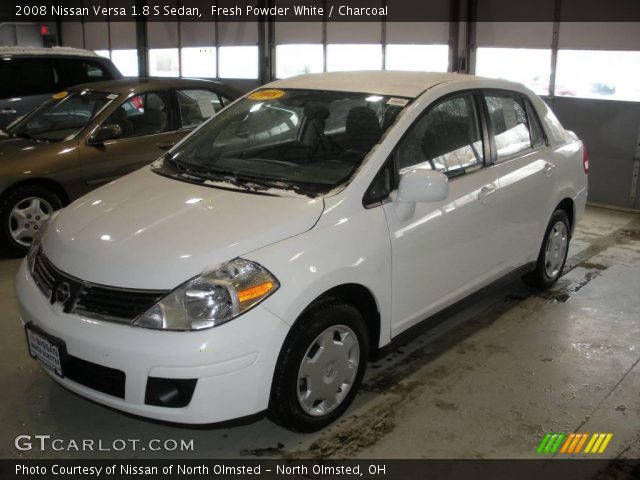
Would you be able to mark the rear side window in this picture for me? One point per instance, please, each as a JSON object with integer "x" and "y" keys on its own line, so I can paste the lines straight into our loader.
{"x": 28, "y": 76}
{"x": 77, "y": 71}
{"x": 447, "y": 138}
{"x": 197, "y": 106}
{"x": 509, "y": 124}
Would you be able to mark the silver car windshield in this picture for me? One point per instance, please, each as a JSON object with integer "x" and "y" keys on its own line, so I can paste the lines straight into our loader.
{"x": 63, "y": 116}
{"x": 309, "y": 139}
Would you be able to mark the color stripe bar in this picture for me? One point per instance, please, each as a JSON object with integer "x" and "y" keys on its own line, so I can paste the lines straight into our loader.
{"x": 543, "y": 443}
{"x": 555, "y": 447}
{"x": 593, "y": 439}
{"x": 567, "y": 443}
{"x": 605, "y": 442}
{"x": 582, "y": 440}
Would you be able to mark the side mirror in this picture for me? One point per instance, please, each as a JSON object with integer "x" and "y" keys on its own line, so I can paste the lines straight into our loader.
{"x": 105, "y": 133}
{"x": 422, "y": 185}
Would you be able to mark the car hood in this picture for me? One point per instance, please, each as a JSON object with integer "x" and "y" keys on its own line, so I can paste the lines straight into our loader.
{"x": 151, "y": 232}
{"x": 12, "y": 147}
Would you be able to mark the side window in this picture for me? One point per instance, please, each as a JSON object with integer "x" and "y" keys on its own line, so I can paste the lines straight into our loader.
{"x": 144, "y": 114}
{"x": 447, "y": 138}
{"x": 79, "y": 70}
{"x": 508, "y": 120}
{"x": 197, "y": 106}
{"x": 95, "y": 72}
{"x": 28, "y": 76}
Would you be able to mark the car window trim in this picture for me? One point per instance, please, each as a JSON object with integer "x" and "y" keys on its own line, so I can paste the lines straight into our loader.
{"x": 475, "y": 93}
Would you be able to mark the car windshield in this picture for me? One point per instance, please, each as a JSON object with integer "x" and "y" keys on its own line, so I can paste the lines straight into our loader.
{"x": 63, "y": 116}
{"x": 306, "y": 140}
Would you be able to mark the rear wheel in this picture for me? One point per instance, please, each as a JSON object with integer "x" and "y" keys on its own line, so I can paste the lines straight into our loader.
{"x": 553, "y": 253}
{"x": 320, "y": 367}
{"x": 23, "y": 212}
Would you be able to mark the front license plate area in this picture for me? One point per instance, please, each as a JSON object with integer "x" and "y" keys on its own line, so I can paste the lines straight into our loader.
{"x": 49, "y": 351}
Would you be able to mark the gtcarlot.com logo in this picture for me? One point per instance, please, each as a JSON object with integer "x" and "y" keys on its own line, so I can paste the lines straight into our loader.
{"x": 574, "y": 443}
{"x": 47, "y": 442}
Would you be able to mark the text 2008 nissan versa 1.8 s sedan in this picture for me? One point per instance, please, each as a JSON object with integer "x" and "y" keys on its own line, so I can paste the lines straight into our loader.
{"x": 261, "y": 261}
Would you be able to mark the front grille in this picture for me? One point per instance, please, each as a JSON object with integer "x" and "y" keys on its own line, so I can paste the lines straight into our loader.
{"x": 89, "y": 299}
{"x": 103, "y": 379}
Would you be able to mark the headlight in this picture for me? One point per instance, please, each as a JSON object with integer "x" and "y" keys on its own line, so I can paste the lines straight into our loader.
{"x": 212, "y": 298}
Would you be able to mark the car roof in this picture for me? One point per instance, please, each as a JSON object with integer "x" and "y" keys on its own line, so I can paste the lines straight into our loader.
{"x": 399, "y": 83}
{"x": 42, "y": 51}
{"x": 141, "y": 85}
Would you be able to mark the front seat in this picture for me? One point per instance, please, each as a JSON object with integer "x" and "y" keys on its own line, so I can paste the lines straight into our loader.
{"x": 313, "y": 136}
{"x": 362, "y": 129}
{"x": 120, "y": 118}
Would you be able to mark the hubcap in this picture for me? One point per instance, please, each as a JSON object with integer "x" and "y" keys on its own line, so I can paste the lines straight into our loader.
{"x": 555, "y": 250}
{"x": 26, "y": 219}
{"x": 328, "y": 370}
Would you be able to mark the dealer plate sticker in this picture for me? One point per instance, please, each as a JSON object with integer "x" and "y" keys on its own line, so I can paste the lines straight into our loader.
{"x": 45, "y": 352}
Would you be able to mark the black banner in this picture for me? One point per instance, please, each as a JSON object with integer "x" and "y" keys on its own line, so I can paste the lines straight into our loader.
{"x": 319, "y": 10}
{"x": 543, "y": 469}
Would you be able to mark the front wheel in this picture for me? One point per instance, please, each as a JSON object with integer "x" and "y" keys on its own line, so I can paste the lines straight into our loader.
{"x": 23, "y": 212}
{"x": 553, "y": 253}
{"x": 320, "y": 367}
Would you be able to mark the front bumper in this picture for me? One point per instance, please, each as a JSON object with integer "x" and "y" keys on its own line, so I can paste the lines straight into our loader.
{"x": 233, "y": 363}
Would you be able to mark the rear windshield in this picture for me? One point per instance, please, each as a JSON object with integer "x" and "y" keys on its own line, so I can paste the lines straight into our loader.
{"x": 309, "y": 140}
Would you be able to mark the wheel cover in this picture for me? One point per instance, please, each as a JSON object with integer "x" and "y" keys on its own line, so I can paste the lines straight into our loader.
{"x": 328, "y": 370}
{"x": 556, "y": 249}
{"x": 26, "y": 219}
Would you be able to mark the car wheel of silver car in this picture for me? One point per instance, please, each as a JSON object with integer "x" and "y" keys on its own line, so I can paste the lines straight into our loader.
{"x": 320, "y": 367}
{"x": 553, "y": 253}
{"x": 23, "y": 212}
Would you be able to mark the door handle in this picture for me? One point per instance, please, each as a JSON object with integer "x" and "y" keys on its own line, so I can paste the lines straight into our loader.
{"x": 548, "y": 169}
{"x": 486, "y": 192}
{"x": 8, "y": 111}
{"x": 165, "y": 146}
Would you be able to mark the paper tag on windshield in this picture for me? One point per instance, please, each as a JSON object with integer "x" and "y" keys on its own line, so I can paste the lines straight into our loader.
{"x": 398, "y": 102}
{"x": 268, "y": 94}
{"x": 59, "y": 95}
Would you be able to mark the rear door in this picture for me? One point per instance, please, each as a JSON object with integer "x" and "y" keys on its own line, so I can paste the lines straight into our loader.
{"x": 526, "y": 173}
{"x": 148, "y": 126}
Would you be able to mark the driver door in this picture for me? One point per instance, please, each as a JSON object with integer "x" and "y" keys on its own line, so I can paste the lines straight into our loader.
{"x": 444, "y": 249}
{"x": 148, "y": 128}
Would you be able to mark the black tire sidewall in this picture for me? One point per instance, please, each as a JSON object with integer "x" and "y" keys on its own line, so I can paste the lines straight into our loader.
{"x": 543, "y": 280}
{"x": 285, "y": 408}
{"x": 10, "y": 200}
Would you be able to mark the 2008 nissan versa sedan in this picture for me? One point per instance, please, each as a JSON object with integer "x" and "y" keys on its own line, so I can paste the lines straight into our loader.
{"x": 85, "y": 137}
{"x": 259, "y": 263}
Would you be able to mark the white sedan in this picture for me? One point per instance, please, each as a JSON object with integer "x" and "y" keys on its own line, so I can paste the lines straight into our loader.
{"x": 259, "y": 264}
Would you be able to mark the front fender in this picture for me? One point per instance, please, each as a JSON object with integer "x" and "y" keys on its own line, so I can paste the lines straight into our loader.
{"x": 340, "y": 249}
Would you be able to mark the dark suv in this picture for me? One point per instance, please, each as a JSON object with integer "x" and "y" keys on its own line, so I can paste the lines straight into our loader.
{"x": 30, "y": 75}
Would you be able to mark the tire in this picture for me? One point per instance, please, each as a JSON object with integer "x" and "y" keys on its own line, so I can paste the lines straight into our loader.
{"x": 553, "y": 253}
{"x": 36, "y": 203}
{"x": 333, "y": 322}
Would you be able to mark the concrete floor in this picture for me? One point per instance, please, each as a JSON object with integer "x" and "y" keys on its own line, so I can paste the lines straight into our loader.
{"x": 487, "y": 383}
